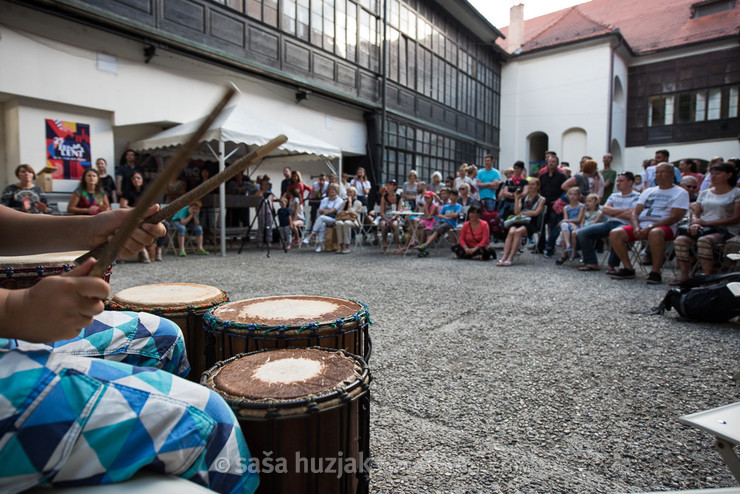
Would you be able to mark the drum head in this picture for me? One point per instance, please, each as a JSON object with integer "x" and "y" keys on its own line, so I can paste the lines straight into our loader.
{"x": 46, "y": 259}
{"x": 169, "y": 295}
{"x": 287, "y": 311}
{"x": 285, "y": 375}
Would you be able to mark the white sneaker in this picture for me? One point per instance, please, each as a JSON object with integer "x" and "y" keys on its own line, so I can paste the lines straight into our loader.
{"x": 318, "y": 249}
{"x": 306, "y": 240}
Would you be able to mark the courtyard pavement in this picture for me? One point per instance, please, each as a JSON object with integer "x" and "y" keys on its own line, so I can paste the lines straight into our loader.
{"x": 532, "y": 378}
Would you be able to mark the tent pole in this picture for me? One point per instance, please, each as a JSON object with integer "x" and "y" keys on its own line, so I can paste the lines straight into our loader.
{"x": 222, "y": 196}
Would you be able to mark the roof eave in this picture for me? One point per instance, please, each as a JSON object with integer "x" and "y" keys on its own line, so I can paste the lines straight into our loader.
{"x": 468, "y": 16}
{"x": 565, "y": 44}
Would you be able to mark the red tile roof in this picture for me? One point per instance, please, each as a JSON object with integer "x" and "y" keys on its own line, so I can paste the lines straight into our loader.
{"x": 646, "y": 25}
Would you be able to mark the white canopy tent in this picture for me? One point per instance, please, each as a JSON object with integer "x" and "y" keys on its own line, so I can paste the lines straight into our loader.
{"x": 237, "y": 130}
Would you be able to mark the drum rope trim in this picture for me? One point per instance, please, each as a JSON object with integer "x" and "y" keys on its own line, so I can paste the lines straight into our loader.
{"x": 211, "y": 323}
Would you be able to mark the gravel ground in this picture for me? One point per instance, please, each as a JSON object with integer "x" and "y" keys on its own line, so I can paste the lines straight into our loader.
{"x": 533, "y": 378}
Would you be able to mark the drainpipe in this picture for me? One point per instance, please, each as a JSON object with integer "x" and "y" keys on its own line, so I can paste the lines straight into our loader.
{"x": 383, "y": 88}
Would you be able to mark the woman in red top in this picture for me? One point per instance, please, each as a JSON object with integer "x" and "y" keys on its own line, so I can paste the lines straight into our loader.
{"x": 474, "y": 238}
{"x": 296, "y": 182}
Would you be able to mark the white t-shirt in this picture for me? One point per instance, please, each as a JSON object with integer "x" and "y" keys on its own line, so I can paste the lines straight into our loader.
{"x": 719, "y": 206}
{"x": 360, "y": 186}
{"x": 658, "y": 203}
{"x": 620, "y": 201}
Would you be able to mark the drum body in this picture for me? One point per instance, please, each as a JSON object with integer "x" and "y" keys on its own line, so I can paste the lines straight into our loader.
{"x": 25, "y": 271}
{"x": 305, "y": 414}
{"x": 289, "y": 321}
{"x": 182, "y": 303}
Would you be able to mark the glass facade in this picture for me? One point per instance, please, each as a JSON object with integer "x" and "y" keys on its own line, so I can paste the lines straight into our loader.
{"x": 694, "y": 106}
{"x": 430, "y": 55}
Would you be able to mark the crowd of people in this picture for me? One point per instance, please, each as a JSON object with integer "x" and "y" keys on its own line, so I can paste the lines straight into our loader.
{"x": 580, "y": 212}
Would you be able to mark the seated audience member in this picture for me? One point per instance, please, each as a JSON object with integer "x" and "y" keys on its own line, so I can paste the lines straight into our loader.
{"x": 327, "y": 212}
{"x": 474, "y": 242}
{"x": 465, "y": 199}
{"x": 713, "y": 218}
{"x": 450, "y": 182}
{"x": 531, "y": 206}
{"x": 25, "y": 195}
{"x": 517, "y": 182}
{"x": 448, "y": 216}
{"x": 390, "y": 201}
{"x": 654, "y": 219}
{"x": 422, "y": 225}
{"x": 637, "y": 185}
{"x": 90, "y": 396}
{"x": 348, "y": 218}
{"x": 691, "y": 185}
{"x": 714, "y": 161}
{"x": 188, "y": 219}
{"x": 88, "y": 197}
{"x": 618, "y": 211}
{"x": 572, "y": 217}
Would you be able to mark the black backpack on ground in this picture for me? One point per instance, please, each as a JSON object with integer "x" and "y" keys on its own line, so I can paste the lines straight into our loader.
{"x": 704, "y": 298}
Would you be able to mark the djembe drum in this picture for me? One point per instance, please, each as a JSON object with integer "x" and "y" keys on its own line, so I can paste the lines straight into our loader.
{"x": 25, "y": 271}
{"x": 290, "y": 321}
{"x": 182, "y": 303}
{"x": 305, "y": 414}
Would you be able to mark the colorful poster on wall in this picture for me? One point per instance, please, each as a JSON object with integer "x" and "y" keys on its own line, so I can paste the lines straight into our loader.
{"x": 67, "y": 148}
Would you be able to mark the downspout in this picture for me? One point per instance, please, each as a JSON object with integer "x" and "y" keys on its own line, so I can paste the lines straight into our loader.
{"x": 383, "y": 87}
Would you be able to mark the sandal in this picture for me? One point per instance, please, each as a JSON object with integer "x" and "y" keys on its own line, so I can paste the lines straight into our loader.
{"x": 589, "y": 267}
{"x": 562, "y": 259}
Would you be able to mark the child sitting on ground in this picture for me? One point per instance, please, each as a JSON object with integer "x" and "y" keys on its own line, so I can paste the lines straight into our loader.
{"x": 573, "y": 216}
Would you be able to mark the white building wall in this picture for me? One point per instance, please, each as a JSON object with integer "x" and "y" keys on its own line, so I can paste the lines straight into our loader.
{"x": 52, "y": 70}
{"x": 617, "y": 143}
{"x": 552, "y": 93}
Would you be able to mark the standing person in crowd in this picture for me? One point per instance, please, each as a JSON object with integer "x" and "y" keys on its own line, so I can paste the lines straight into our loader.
{"x": 618, "y": 211}
{"x": 447, "y": 222}
{"x": 296, "y": 182}
{"x": 327, "y": 213}
{"x": 188, "y": 218}
{"x": 713, "y": 218}
{"x": 348, "y": 218}
{"x": 462, "y": 172}
{"x": 132, "y": 191}
{"x": 126, "y": 167}
{"x": 297, "y": 219}
{"x": 90, "y": 396}
{"x": 362, "y": 185}
{"x": 531, "y": 205}
{"x": 25, "y": 195}
{"x": 265, "y": 222}
{"x": 437, "y": 184}
{"x": 318, "y": 192}
{"x": 106, "y": 181}
{"x": 409, "y": 192}
{"x": 661, "y": 156}
{"x": 474, "y": 240}
{"x": 609, "y": 175}
{"x": 587, "y": 180}
{"x": 688, "y": 169}
{"x": 551, "y": 182}
{"x": 471, "y": 178}
{"x": 654, "y": 219}
{"x": 88, "y": 197}
{"x": 287, "y": 174}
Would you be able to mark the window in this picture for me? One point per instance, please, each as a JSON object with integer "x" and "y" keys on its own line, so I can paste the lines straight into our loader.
{"x": 693, "y": 106}
{"x": 660, "y": 110}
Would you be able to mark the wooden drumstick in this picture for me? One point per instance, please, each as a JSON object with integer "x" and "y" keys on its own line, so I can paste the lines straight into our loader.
{"x": 202, "y": 189}
{"x": 132, "y": 221}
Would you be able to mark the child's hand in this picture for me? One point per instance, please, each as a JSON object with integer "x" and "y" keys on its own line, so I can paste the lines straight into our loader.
{"x": 57, "y": 307}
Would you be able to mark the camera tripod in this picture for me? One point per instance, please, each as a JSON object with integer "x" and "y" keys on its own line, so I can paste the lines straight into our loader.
{"x": 265, "y": 209}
